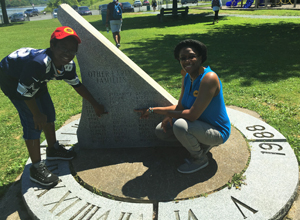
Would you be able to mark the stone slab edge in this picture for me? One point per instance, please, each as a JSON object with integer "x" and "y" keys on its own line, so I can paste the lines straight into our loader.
{"x": 69, "y": 200}
{"x": 252, "y": 128}
{"x": 66, "y": 135}
{"x": 68, "y": 11}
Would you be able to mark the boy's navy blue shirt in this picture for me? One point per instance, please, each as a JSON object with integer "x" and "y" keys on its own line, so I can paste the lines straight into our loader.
{"x": 25, "y": 73}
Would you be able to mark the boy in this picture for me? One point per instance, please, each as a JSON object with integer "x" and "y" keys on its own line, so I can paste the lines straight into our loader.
{"x": 23, "y": 78}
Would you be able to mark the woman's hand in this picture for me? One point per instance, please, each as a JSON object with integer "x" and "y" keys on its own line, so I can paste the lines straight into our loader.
{"x": 165, "y": 123}
{"x": 144, "y": 112}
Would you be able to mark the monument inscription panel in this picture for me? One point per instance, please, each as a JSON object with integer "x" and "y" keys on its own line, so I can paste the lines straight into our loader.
{"x": 120, "y": 85}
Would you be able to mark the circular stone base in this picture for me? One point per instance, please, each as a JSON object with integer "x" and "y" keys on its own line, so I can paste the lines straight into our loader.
{"x": 145, "y": 174}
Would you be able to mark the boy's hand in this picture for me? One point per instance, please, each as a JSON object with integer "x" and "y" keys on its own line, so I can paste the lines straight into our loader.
{"x": 40, "y": 121}
{"x": 99, "y": 110}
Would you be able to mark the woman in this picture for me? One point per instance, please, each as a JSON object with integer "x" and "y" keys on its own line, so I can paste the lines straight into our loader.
{"x": 216, "y": 6}
{"x": 199, "y": 121}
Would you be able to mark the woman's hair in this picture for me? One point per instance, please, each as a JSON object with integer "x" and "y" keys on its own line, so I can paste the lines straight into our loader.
{"x": 198, "y": 46}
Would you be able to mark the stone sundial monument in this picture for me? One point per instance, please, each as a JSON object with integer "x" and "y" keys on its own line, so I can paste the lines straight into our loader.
{"x": 121, "y": 86}
{"x": 135, "y": 175}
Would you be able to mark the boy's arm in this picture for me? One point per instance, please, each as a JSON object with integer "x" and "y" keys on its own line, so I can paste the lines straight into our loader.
{"x": 84, "y": 93}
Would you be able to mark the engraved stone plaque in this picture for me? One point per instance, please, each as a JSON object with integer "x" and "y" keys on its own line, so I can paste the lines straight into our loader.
{"x": 117, "y": 83}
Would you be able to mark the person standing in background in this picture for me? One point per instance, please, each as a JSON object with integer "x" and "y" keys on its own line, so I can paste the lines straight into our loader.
{"x": 114, "y": 18}
{"x": 154, "y": 5}
{"x": 216, "y": 6}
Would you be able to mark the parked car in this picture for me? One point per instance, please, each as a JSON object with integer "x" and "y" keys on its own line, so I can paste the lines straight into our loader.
{"x": 137, "y": 3}
{"x": 31, "y": 12}
{"x": 54, "y": 13}
{"x": 146, "y": 2}
{"x": 127, "y": 7}
{"x": 84, "y": 10}
{"x": 188, "y": 1}
{"x": 17, "y": 17}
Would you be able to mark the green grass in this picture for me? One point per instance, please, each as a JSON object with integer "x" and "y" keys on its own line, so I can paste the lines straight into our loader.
{"x": 256, "y": 59}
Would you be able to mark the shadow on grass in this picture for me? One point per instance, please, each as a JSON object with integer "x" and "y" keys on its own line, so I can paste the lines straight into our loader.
{"x": 12, "y": 24}
{"x": 248, "y": 51}
{"x": 152, "y": 21}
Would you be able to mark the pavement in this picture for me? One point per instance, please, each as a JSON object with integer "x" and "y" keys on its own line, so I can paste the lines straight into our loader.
{"x": 135, "y": 171}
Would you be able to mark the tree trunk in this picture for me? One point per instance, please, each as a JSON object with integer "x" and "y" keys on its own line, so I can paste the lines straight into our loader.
{"x": 4, "y": 12}
{"x": 174, "y": 8}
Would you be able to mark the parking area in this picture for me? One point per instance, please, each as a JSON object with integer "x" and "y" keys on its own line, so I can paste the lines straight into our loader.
{"x": 98, "y": 12}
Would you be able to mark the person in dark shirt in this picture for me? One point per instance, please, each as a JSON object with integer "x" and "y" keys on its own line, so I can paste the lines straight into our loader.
{"x": 114, "y": 18}
{"x": 23, "y": 79}
{"x": 154, "y": 4}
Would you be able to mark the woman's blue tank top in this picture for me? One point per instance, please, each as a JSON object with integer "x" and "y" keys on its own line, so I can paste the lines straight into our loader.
{"x": 215, "y": 113}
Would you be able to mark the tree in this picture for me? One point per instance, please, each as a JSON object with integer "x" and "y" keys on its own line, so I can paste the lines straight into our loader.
{"x": 56, "y": 3}
{"x": 4, "y": 12}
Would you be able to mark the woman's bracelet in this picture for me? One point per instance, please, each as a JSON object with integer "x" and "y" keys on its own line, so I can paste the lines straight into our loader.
{"x": 151, "y": 110}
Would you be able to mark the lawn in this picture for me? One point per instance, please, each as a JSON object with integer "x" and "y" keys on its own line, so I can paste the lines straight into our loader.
{"x": 257, "y": 60}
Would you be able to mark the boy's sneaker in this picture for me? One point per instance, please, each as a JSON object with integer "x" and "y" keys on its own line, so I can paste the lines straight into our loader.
{"x": 42, "y": 175}
{"x": 193, "y": 165}
{"x": 60, "y": 153}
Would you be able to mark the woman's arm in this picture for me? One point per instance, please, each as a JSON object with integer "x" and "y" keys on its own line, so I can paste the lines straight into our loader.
{"x": 209, "y": 88}
{"x": 164, "y": 110}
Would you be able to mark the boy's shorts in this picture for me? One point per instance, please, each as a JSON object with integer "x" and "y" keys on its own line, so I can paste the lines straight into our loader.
{"x": 115, "y": 25}
{"x": 46, "y": 107}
